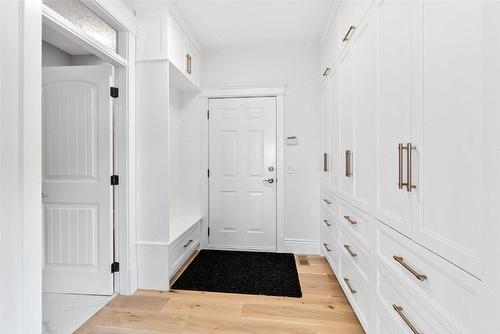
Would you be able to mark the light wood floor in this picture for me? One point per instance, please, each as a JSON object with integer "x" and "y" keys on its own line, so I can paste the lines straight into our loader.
{"x": 322, "y": 309}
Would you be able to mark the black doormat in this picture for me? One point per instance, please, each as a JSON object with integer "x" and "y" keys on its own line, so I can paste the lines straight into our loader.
{"x": 254, "y": 273}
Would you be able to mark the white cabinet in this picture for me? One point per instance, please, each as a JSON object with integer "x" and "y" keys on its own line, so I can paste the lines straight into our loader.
{"x": 346, "y": 71}
{"x": 335, "y": 152}
{"x": 325, "y": 132}
{"x": 413, "y": 127}
{"x": 392, "y": 203}
{"x": 449, "y": 129}
{"x": 160, "y": 37}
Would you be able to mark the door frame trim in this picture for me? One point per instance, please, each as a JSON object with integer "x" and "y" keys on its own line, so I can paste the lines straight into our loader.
{"x": 245, "y": 91}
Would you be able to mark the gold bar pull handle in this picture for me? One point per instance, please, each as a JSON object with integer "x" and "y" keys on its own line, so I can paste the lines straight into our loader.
{"x": 346, "y": 37}
{"x": 325, "y": 162}
{"x": 189, "y": 59}
{"x": 348, "y": 159}
{"x": 401, "y": 261}
{"x": 346, "y": 280}
{"x": 400, "y": 166}
{"x": 350, "y": 251}
{"x": 349, "y": 219}
{"x": 399, "y": 310}
{"x": 409, "y": 166}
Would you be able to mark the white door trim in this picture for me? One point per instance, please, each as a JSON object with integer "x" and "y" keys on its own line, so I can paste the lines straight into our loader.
{"x": 253, "y": 90}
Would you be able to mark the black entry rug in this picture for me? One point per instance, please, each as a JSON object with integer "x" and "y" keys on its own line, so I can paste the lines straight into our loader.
{"x": 254, "y": 273}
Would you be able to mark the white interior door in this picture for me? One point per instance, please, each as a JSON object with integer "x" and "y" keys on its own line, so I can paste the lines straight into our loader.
{"x": 243, "y": 173}
{"x": 77, "y": 165}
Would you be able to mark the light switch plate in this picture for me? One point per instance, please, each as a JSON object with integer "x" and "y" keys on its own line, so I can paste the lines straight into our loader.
{"x": 292, "y": 140}
{"x": 291, "y": 168}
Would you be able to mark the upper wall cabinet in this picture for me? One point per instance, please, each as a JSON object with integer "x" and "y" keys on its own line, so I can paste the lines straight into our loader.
{"x": 348, "y": 18}
{"x": 160, "y": 37}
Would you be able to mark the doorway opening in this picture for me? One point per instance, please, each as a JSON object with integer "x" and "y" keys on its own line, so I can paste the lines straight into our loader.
{"x": 84, "y": 151}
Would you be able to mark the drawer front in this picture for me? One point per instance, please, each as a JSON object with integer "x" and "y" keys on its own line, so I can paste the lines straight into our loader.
{"x": 359, "y": 223}
{"x": 356, "y": 291}
{"x": 329, "y": 247}
{"x": 329, "y": 221}
{"x": 445, "y": 285}
{"x": 329, "y": 202}
{"x": 358, "y": 255}
{"x": 183, "y": 247}
{"x": 395, "y": 298}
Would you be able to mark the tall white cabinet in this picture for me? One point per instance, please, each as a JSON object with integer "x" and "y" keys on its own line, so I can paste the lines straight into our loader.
{"x": 410, "y": 171}
{"x": 168, "y": 160}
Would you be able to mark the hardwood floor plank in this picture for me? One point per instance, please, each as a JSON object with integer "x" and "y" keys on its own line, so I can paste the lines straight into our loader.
{"x": 322, "y": 309}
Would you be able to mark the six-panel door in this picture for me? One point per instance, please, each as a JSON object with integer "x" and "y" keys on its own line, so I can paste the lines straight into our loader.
{"x": 242, "y": 154}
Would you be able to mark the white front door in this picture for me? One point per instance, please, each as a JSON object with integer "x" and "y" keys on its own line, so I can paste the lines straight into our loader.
{"x": 77, "y": 165}
{"x": 243, "y": 173}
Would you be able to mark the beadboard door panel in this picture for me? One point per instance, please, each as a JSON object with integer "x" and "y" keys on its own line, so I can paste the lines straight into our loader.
{"x": 77, "y": 165}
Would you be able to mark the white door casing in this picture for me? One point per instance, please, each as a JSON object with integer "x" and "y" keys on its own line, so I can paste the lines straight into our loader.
{"x": 77, "y": 163}
{"x": 242, "y": 156}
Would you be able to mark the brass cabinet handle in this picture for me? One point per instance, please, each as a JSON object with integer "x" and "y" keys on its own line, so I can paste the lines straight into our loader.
{"x": 350, "y": 251}
{"x": 346, "y": 37}
{"x": 326, "y": 247}
{"x": 327, "y": 201}
{"x": 327, "y": 70}
{"x": 325, "y": 162}
{"x": 400, "y": 166}
{"x": 399, "y": 310}
{"x": 348, "y": 158}
{"x": 409, "y": 166}
{"x": 353, "y": 222}
{"x": 189, "y": 59}
{"x": 401, "y": 261}
{"x": 188, "y": 243}
{"x": 327, "y": 223}
{"x": 346, "y": 280}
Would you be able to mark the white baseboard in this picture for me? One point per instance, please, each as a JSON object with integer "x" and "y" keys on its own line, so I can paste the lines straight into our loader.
{"x": 152, "y": 265}
{"x": 301, "y": 246}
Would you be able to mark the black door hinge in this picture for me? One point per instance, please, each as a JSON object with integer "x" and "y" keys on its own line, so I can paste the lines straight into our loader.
{"x": 208, "y": 172}
{"x": 115, "y": 180}
{"x": 208, "y": 232}
{"x": 115, "y": 267}
{"x": 208, "y": 114}
{"x": 113, "y": 91}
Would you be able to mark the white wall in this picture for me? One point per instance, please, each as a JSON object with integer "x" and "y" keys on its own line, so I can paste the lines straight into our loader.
{"x": 297, "y": 66}
{"x": 20, "y": 168}
{"x": 53, "y": 56}
{"x": 184, "y": 154}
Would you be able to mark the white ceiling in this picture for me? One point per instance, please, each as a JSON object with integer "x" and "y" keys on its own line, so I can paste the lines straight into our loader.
{"x": 219, "y": 23}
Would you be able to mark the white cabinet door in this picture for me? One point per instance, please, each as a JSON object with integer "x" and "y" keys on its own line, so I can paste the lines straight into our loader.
{"x": 346, "y": 68}
{"x": 325, "y": 134}
{"x": 242, "y": 151}
{"x": 335, "y": 154}
{"x": 77, "y": 166}
{"x": 450, "y": 130}
{"x": 392, "y": 205}
{"x": 362, "y": 50}
{"x": 176, "y": 45}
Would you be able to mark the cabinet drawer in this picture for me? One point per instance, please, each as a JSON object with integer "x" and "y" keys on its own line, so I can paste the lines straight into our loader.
{"x": 183, "y": 247}
{"x": 396, "y": 299}
{"x": 358, "y": 222}
{"x": 442, "y": 283}
{"x": 356, "y": 291}
{"x": 358, "y": 255}
{"x": 328, "y": 221}
{"x": 329, "y": 202}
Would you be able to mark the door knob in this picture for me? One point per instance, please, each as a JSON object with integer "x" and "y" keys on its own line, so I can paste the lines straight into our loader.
{"x": 271, "y": 180}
